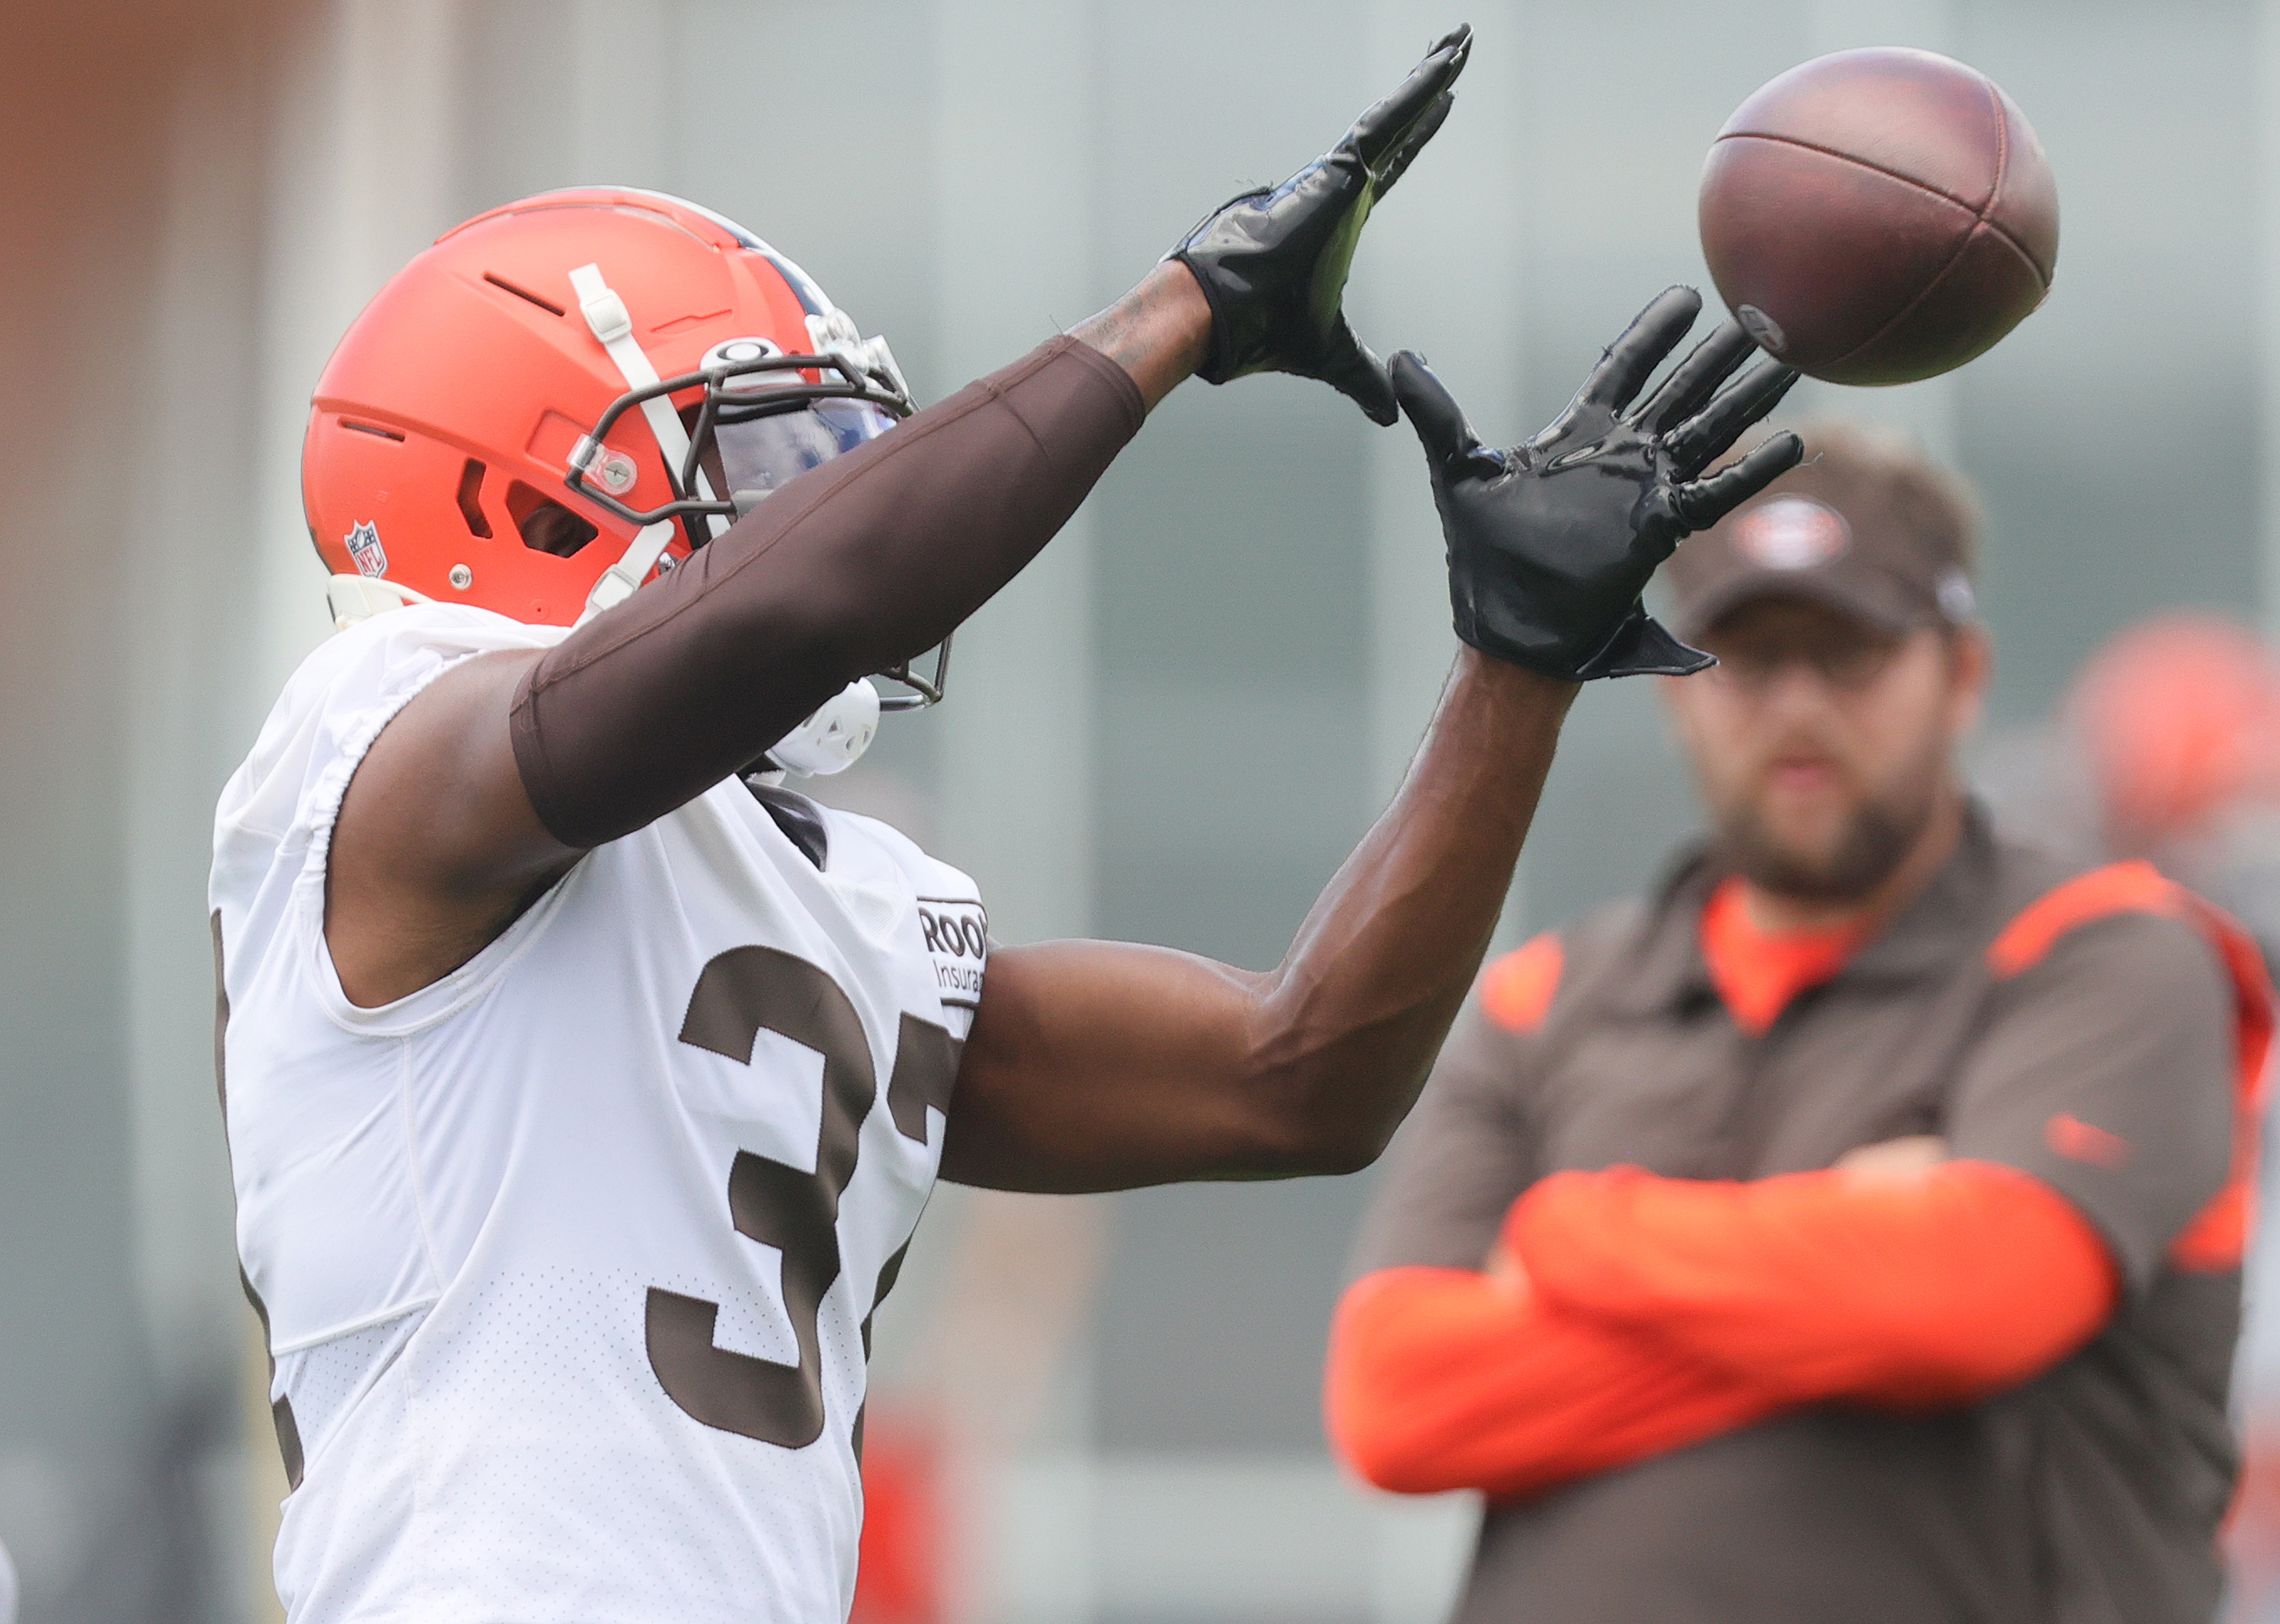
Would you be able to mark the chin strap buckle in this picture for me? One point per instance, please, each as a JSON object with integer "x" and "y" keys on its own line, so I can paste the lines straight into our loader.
{"x": 632, "y": 568}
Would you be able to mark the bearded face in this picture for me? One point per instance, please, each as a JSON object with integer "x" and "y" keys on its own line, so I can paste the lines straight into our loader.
{"x": 1840, "y": 850}
{"x": 1823, "y": 747}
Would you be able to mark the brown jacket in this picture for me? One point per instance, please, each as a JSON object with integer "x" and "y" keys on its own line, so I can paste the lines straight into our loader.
{"x": 2090, "y": 1495}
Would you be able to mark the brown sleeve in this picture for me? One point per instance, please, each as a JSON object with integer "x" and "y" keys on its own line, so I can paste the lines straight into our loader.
{"x": 1463, "y": 1156}
{"x": 867, "y": 561}
{"x": 2106, "y": 1072}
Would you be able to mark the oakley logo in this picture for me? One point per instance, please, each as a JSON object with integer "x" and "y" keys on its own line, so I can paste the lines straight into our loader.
{"x": 364, "y": 547}
{"x": 1790, "y": 532}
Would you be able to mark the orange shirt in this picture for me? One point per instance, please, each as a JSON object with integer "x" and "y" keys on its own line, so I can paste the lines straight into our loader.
{"x": 1758, "y": 972}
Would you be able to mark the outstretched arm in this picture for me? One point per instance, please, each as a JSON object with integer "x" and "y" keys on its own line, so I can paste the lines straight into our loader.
{"x": 489, "y": 785}
{"x": 1098, "y": 1067}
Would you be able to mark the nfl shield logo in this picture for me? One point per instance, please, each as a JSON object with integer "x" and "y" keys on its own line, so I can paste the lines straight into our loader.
{"x": 364, "y": 546}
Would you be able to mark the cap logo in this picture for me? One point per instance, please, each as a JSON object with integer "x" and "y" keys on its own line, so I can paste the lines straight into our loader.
{"x": 364, "y": 547}
{"x": 1792, "y": 533}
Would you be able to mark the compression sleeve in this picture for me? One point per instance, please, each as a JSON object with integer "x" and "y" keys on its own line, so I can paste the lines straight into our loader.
{"x": 871, "y": 560}
{"x": 1442, "y": 1379}
{"x": 1919, "y": 1291}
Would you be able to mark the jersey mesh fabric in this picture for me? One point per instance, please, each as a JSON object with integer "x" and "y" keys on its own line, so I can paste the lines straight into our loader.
{"x": 320, "y": 1381}
{"x": 514, "y": 1166}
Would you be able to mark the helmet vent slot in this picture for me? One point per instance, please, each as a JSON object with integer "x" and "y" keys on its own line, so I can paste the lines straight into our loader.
{"x": 501, "y": 283}
{"x": 471, "y": 499}
{"x": 545, "y": 524}
{"x": 374, "y": 429}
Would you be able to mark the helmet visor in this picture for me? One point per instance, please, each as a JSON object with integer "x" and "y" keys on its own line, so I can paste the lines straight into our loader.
{"x": 763, "y": 454}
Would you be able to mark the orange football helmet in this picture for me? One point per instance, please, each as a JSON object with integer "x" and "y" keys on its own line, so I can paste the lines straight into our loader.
{"x": 2178, "y": 716}
{"x": 566, "y": 396}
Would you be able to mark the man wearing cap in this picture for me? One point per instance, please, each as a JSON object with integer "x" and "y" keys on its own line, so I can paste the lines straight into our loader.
{"x": 1850, "y": 1229}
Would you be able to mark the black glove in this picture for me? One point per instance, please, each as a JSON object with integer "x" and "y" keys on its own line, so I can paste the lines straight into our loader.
{"x": 1551, "y": 543}
{"x": 1272, "y": 262}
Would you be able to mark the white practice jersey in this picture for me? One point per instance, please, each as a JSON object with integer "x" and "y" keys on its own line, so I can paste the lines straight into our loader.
{"x": 568, "y": 1259}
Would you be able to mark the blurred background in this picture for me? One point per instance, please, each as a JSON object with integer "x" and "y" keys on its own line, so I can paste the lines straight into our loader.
{"x": 1102, "y": 1412}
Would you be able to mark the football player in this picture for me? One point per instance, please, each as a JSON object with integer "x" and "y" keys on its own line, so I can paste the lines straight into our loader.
{"x": 584, "y": 1084}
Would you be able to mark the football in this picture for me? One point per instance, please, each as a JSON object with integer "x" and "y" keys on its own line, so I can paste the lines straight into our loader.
{"x": 1878, "y": 216}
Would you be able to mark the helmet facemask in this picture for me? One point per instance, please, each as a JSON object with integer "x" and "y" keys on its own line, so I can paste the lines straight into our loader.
{"x": 759, "y": 422}
{"x": 487, "y": 511}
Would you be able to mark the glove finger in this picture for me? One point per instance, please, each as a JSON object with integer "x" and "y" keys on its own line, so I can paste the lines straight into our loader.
{"x": 1707, "y": 435}
{"x": 1704, "y": 502}
{"x": 1386, "y": 127}
{"x": 1448, "y": 439}
{"x": 1633, "y": 358}
{"x": 1354, "y": 372}
{"x": 1696, "y": 379}
{"x": 1398, "y": 165}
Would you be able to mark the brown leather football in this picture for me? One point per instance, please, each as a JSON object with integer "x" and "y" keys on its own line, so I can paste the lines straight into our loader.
{"x": 1879, "y": 216}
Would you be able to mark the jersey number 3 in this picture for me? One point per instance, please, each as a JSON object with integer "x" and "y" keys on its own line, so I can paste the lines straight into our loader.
{"x": 742, "y": 993}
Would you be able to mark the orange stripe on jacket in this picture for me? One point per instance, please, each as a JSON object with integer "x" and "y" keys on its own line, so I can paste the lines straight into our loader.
{"x": 2217, "y": 1238}
{"x": 1442, "y": 1379}
{"x": 1517, "y": 990}
{"x": 2118, "y": 888}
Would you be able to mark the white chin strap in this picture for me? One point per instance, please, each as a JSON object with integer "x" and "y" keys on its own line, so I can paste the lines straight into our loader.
{"x": 358, "y": 597}
{"x": 832, "y": 739}
{"x": 835, "y": 738}
{"x": 607, "y": 318}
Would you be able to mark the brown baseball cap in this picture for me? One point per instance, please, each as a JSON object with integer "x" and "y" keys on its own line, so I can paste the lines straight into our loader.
{"x": 1864, "y": 525}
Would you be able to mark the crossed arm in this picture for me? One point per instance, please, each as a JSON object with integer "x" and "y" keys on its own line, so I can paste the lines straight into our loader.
{"x": 1621, "y": 1315}
{"x": 1625, "y": 1315}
